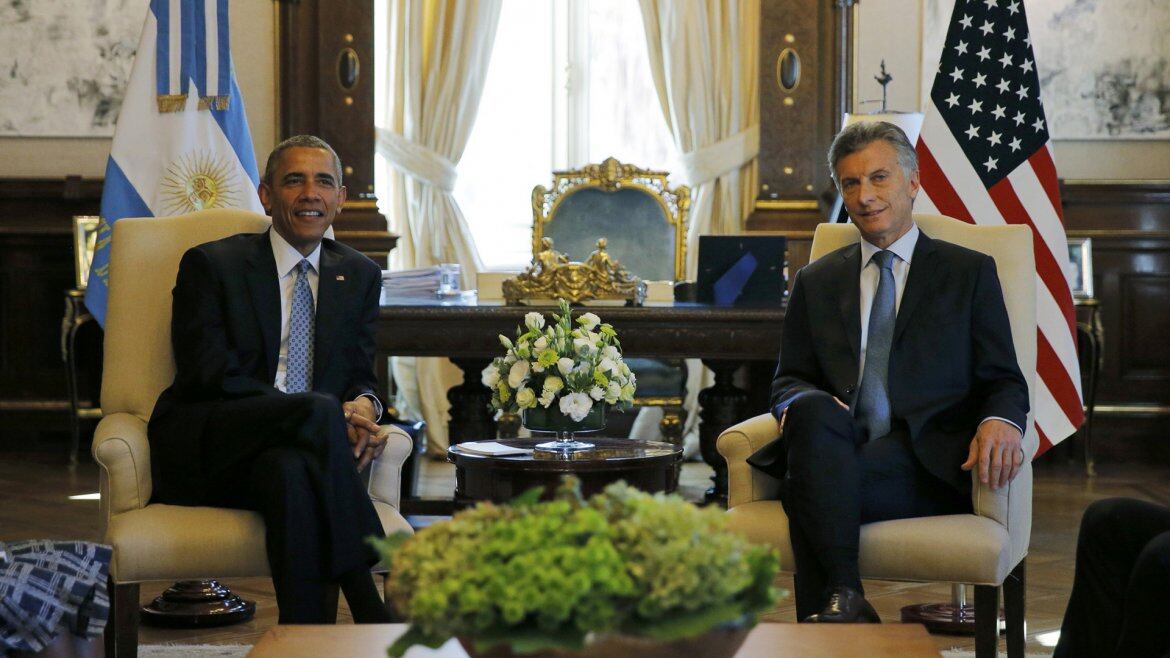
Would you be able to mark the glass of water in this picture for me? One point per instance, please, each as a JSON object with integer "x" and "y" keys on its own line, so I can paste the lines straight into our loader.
{"x": 449, "y": 274}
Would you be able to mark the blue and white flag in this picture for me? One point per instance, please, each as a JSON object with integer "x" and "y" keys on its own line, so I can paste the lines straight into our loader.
{"x": 182, "y": 142}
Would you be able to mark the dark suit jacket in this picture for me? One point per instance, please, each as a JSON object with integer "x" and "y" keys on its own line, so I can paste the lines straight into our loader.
{"x": 225, "y": 332}
{"x": 952, "y": 362}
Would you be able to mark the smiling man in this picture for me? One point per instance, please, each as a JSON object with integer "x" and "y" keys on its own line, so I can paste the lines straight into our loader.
{"x": 897, "y": 374}
{"x": 273, "y": 406}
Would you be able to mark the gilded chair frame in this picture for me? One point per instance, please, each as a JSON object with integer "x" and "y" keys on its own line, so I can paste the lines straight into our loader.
{"x": 610, "y": 176}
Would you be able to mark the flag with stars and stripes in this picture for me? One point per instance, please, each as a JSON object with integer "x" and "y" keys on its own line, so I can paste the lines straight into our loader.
{"x": 985, "y": 158}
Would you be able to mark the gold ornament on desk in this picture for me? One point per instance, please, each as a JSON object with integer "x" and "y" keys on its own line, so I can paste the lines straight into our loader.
{"x": 553, "y": 276}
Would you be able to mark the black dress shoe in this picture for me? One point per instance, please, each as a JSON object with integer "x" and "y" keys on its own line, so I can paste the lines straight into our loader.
{"x": 846, "y": 606}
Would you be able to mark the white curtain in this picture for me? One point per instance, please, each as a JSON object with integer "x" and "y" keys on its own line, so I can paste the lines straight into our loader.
{"x": 704, "y": 57}
{"x": 438, "y": 59}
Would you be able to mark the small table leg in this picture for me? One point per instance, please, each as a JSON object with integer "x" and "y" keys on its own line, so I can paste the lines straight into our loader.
{"x": 471, "y": 415}
{"x": 723, "y": 405}
{"x": 75, "y": 316}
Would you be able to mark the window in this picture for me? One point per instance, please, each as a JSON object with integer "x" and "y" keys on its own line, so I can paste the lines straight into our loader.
{"x": 569, "y": 83}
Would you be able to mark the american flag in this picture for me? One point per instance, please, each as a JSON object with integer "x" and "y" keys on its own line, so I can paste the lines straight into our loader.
{"x": 984, "y": 158}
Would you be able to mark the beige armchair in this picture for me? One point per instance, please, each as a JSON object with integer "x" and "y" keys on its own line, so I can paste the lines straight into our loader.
{"x": 169, "y": 542}
{"x": 987, "y": 548}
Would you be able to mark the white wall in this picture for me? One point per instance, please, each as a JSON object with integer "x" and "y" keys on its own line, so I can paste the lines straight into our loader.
{"x": 892, "y": 29}
{"x": 254, "y": 55}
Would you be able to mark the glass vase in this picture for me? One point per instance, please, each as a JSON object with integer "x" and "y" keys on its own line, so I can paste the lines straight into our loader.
{"x": 539, "y": 419}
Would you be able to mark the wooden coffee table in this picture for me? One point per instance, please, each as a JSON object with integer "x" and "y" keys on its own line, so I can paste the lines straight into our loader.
{"x": 765, "y": 641}
{"x": 648, "y": 465}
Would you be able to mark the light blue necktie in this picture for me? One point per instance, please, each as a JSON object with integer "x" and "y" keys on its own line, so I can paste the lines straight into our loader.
{"x": 301, "y": 328}
{"x": 873, "y": 397}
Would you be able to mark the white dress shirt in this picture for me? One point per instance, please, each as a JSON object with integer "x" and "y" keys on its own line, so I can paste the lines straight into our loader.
{"x": 287, "y": 259}
{"x": 903, "y": 249}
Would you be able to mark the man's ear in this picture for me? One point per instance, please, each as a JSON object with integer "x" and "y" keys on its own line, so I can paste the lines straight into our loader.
{"x": 265, "y": 196}
{"x": 342, "y": 192}
{"x": 915, "y": 183}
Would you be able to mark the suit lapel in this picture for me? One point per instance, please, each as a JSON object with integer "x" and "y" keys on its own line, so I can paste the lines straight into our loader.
{"x": 264, "y": 286}
{"x": 330, "y": 286}
{"x": 849, "y": 298}
{"x": 918, "y": 282}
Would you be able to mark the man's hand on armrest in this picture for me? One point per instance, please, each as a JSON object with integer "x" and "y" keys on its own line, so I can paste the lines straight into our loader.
{"x": 996, "y": 451}
{"x": 365, "y": 437}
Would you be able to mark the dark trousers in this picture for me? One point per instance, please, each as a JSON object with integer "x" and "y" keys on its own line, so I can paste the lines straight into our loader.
{"x": 288, "y": 458}
{"x": 838, "y": 481}
{"x": 1121, "y": 590}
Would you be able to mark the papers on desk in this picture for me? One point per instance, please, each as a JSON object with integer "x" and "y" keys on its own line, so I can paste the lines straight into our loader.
{"x": 420, "y": 282}
{"x": 492, "y": 449}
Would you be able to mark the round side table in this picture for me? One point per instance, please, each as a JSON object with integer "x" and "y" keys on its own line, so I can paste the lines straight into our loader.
{"x": 646, "y": 465}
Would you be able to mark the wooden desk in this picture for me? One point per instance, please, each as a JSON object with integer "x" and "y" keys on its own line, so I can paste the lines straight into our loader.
{"x": 765, "y": 641}
{"x": 725, "y": 338}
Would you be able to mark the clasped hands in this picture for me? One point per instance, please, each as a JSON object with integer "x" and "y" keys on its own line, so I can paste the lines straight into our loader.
{"x": 366, "y": 437}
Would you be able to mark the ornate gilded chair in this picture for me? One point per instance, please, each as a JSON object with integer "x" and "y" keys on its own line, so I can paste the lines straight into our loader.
{"x": 644, "y": 221}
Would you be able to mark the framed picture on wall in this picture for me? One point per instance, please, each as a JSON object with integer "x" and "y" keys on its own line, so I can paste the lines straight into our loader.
{"x": 85, "y": 230}
{"x": 1080, "y": 271}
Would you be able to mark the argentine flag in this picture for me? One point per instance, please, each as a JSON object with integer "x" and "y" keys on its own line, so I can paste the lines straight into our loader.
{"x": 182, "y": 142}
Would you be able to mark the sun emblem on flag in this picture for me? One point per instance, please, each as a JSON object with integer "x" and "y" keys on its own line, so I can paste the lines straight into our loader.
{"x": 198, "y": 181}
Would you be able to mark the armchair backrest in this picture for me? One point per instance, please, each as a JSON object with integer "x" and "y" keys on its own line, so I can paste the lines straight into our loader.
{"x": 1011, "y": 246}
{"x": 641, "y": 217}
{"x": 144, "y": 261}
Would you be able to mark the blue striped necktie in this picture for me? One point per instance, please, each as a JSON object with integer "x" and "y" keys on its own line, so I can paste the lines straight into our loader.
{"x": 301, "y": 327}
{"x": 873, "y": 396}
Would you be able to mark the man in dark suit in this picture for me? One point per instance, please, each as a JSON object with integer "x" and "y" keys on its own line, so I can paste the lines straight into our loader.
{"x": 273, "y": 402}
{"x": 1117, "y": 608}
{"x": 896, "y": 374}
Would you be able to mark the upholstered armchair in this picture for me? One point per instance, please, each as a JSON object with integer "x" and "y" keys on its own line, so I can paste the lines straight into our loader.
{"x": 986, "y": 548}
{"x": 169, "y": 542}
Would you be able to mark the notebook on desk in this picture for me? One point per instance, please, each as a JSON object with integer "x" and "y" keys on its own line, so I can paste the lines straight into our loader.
{"x": 742, "y": 270}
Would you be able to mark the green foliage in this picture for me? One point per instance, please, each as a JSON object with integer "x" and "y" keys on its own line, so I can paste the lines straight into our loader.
{"x": 547, "y": 574}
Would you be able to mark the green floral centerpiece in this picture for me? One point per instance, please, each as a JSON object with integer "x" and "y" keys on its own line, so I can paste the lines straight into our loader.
{"x": 568, "y": 574}
{"x": 559, "y": 377}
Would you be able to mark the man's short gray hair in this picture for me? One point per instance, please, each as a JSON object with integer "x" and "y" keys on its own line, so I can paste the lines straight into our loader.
{"x": 300, "y": 141}
{"x": 860, "y": 135}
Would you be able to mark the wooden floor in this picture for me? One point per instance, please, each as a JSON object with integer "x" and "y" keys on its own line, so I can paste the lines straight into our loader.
{"x": 35, "y": 491}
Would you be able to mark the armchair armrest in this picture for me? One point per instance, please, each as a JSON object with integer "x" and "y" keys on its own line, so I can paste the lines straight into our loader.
{"x": 121, "y": 449}
{"x": 744, "y": 483}
{"x": 386, "y": 471}
{"x": 1011, "y": 506}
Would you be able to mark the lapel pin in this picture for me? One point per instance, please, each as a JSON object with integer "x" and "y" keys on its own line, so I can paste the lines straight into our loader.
{"x": 341, "y": 277}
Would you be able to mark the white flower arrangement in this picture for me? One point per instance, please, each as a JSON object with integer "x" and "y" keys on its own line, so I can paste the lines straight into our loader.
{"x": 573, "y": 367}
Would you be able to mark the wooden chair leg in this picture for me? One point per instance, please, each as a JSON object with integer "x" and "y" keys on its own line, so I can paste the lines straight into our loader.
{"x": 331, "y": 591}
{"x": 1013, "y": 610}
{"x": 986, "y": 621}
{"x": 121, "y": 637}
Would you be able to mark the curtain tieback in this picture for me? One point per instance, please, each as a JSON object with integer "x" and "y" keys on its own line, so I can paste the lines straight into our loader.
{"x": 417, "y": 161}
{"x": 723, "y": 157}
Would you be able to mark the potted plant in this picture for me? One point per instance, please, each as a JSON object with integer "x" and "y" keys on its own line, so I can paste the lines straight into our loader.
{"x": 623, "y": 573}
{"x": 560, "y": 377}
